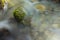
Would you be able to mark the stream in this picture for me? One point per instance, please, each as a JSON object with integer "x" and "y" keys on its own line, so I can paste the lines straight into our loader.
{"x": 43, "y": 26}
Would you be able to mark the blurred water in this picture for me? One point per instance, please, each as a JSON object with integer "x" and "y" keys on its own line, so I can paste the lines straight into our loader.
{"x": 44, "y": 26}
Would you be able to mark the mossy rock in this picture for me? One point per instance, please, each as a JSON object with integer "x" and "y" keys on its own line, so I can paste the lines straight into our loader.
{"x": 19, "y": 14}
{"x": 2, "y": 4}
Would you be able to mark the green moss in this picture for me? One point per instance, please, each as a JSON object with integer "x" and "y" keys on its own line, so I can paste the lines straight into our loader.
{"x": 2, "y": 4}
{"x": 19, "y": 14}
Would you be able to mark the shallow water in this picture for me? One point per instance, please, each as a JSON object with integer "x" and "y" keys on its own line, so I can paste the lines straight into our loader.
{"x": 43, "y": 26}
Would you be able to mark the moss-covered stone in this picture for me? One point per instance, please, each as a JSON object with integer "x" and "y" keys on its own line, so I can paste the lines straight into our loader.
{"x": 2, "y": 3}
{"x": 19, "y": 14}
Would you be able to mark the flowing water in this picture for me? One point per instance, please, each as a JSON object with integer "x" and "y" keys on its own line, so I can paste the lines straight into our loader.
{"x": 43, "y": 25}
